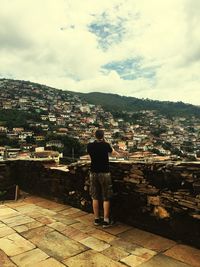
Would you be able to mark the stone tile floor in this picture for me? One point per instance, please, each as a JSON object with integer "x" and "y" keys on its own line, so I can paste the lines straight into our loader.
{"x": 36, "y": 232}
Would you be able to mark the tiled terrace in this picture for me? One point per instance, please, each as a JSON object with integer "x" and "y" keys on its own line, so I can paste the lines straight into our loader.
{"x": 36, "y": 232}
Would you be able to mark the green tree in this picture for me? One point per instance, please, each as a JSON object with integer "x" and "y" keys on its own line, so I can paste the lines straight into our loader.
{"x": 30, "y": 140}
{"x": 5, "y": 141}
{"x": 72, "y": 146}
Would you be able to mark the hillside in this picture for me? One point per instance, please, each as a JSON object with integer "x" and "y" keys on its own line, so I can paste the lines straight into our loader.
{"x": 110, "y": 102}
{"x": 36, "y": 114}
{"x": 116, "y": 103}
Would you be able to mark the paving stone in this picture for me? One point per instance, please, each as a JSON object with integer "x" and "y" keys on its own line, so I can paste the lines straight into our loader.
{"x": 66, "y": 207}
{"x": 17, "y": 220}
{"x": 125, "y": 245}
{"x": 7, "y": 213}
{"x": 84, "y": 227}
{"x": 88, "y": 219}
{"x": 33, "y": 214}
{"x": 163, "y": 261}
{"x": 54, "y": 243}
{"x": 45, "y": 220}
{"x": 185, "y": 254}
{"x": 99, "y": 234}
{"x": 29, "y": 258}
{"x": 27, "y": 208}
{"x": 63, "y": 219}
{"x": 148, "y": 240}
{"x": 94, "y": 243}
{"x": 37, "y": 233}
{"x": 31, "y": 208}
{"x": 133, "y": 260}
{"x": 60, "y": 227}
{"x": 49, "y": 263}
{"x": 74, "y": 233}
{"x": 69, "y": 211}
{"x": 16, "y": 204}
{"x": 70, "y": 232}
{"x": 27, "y": 226}
{"x": 5, "y": 261}
{"x": 119, "y": 245}
{"x": 77, "y": 214}
{"x": 118, "y": 229}
{"x": 144, "y": 253}
{"x": 47, "y": 212}
{"x": 115, "y": 253}
{"x": 52, "y": 205}
{"x": 15, "y": 244}
{"x": 5, "y": 230}
{"x": 91, "y": 259}
{"x": 79, "y": 236}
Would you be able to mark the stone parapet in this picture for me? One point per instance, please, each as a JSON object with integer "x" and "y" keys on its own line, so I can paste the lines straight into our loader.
{"x": 160, "y": 197}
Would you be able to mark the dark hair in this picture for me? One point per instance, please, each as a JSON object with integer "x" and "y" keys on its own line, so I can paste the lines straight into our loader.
{"x": 99, "y": 134}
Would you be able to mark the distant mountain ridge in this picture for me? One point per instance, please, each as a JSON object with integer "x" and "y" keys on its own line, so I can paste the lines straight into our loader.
{"x": 116, "y": 103}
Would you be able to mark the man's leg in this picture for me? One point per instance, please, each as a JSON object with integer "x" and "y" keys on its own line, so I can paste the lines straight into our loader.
{"x": 107, "y": 191}
{"x": 94, "y": 191}
{"x": 95, "y": 204}
{"x": 106, "y": 210}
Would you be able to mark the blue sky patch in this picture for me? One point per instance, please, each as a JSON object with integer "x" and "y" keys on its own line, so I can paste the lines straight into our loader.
{"x": 130, "y": 69}
{"x": 108, "y": 32}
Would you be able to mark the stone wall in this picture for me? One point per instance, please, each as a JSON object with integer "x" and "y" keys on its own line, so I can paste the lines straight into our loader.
{"x": 160, "y": 197}
{"x": 7, "y": 183}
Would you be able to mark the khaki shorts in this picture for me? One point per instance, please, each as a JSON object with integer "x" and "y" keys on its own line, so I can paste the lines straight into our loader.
{"x": 101, "y": 186}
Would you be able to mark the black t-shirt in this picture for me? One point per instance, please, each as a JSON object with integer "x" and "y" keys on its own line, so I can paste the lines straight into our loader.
{"x": 98, "y": 152}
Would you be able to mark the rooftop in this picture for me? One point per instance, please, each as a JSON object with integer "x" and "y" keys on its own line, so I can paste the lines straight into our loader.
{"x": 38, "y": 232}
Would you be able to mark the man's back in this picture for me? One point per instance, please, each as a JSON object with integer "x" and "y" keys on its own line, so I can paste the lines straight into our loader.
{"x": 100, "y": 178}
{"x": 98, "y": 151}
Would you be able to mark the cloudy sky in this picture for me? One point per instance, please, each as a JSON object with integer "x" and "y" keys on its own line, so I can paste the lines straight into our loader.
{"x": 141, "y": 48}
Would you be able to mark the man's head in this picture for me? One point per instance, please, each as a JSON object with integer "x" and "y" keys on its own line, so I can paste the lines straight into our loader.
{"x": 99, "y": 134}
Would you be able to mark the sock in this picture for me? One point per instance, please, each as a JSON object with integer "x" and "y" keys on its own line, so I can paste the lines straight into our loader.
{"x": 106, "y": 220}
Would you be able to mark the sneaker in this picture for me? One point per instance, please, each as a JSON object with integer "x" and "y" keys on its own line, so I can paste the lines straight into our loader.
{"x": 108, "y": 224}
{"x": 97, "y": 222}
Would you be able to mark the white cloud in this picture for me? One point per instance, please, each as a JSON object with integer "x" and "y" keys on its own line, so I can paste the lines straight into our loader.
{"x": 49, "y": 41}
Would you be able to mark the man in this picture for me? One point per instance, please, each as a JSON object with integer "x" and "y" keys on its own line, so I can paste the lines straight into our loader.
{"x": 100, "y": 179}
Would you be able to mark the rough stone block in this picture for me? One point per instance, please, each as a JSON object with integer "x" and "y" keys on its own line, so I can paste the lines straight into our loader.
{"x": 151, "y": 200}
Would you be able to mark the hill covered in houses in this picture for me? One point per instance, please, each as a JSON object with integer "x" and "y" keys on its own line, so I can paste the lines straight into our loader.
{"x": 33, "y": 115}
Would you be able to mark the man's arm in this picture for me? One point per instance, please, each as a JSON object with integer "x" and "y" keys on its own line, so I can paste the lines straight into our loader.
{"x": 118, "y": 154}
{"x": 115, "y": 153}
{"x": 112, "y": 151}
